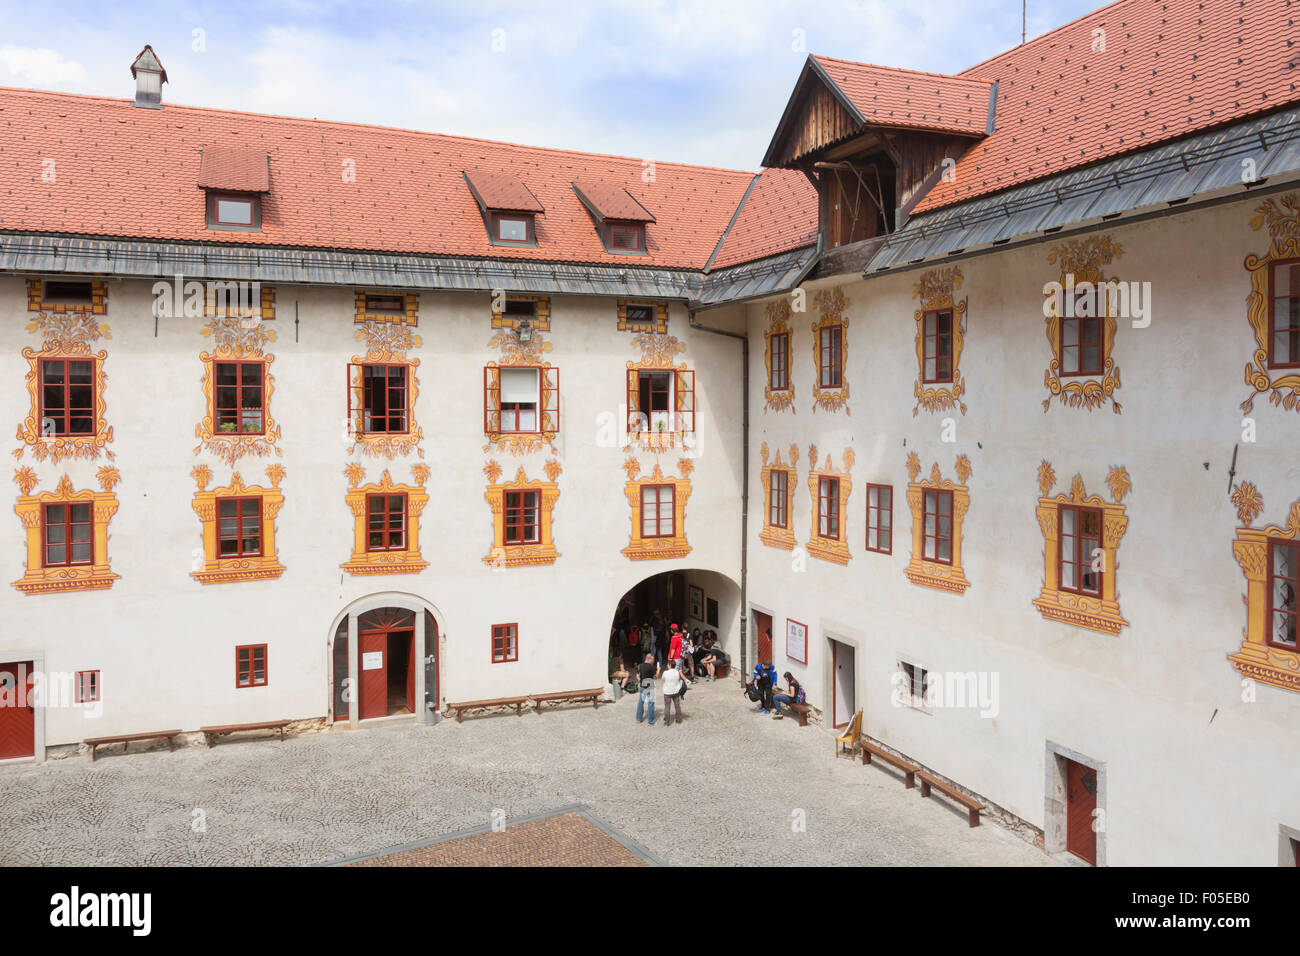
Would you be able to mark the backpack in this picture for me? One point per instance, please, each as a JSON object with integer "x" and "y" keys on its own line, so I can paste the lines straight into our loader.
{"x": 799, "y": 697}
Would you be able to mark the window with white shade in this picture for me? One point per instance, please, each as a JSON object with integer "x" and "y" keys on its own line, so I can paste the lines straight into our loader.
{"x": 657, "y": 511}
{"x": 520, "y": 393}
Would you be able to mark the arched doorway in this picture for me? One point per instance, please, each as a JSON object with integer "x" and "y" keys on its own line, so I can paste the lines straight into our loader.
{"x": 384, "y": 660}
{"x": 691, "y": 598}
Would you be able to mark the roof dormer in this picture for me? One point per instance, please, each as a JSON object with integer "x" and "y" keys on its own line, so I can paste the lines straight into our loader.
{"x": 509, "y": 208}
{"x": 149, "y": 77}
{"x": 620, "y": 220}
{"x": 235, "y": 178}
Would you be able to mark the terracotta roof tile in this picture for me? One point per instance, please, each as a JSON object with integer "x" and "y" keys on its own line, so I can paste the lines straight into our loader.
{"x": 613, "y": 201}
{"x": 502, "y": 191}
{"x": 1124, "y": 78}
{"x": 131, "y": 173}
{"x": 234, "y": 168}
{"x": 888, "y": 96}
{"x": 780, "y": 214}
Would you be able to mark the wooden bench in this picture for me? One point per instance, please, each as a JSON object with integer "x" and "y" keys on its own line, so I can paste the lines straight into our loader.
{"x": 719, "y": 671}
{"x": 212, "y": 733}
{"x": 910, "y": 770}
{"x": 800, "y": 710}
{"x": 569, "y": 697}
{"x": 469, "y": 706}
{"x": 973, "y": 806}
{"x": 127, "y": 739}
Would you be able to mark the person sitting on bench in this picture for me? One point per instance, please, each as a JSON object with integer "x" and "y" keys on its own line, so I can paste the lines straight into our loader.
{"x": 794, "y": 695}
{"x": 707, "y": 655}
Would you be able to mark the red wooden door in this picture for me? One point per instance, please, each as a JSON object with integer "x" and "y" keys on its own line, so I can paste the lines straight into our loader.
{"x": 763, "y": 628}
{"x": 1081, "y": 793}
{"x": 17, "y": 715}
{"x": 374, "y": 675}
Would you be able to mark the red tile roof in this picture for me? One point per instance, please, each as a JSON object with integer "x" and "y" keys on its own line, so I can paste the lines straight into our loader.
{"x": 234, "y": 168}
{"x": 502, "y": 191}
{"x": 1166, "y": 68}
{"x": 780, "y": 214}
{"x": 612, "y": 201}
{"x": 132, "y": 173}
{"x": 888, "y": 96}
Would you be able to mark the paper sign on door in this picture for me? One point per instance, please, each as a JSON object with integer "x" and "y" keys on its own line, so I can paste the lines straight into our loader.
{"x": 372, "y": 660}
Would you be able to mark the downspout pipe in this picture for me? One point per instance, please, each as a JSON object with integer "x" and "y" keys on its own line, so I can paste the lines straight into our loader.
{"x": 744, "y": 488}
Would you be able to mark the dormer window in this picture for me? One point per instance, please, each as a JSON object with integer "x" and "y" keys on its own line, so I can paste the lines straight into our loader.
{"x": 234, "y": 178}
{"x": 243, "y": 213}
{"x": 628, "y": 236}
{"x": 513, "y": 228}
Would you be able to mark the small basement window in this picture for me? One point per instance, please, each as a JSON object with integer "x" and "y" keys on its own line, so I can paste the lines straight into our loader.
{"x": 513, "y": 228}
{"x": 58, "y": 292}
{"x": 235, "y": 212}
{"x": 385, "y": 304}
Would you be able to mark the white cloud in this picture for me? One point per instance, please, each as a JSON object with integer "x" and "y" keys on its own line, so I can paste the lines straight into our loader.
{"x": 43, "y": 69}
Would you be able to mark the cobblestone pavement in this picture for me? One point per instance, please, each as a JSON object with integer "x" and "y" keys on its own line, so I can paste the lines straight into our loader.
{"x": 723, "y": 788}
{"x": 562, "y": 839}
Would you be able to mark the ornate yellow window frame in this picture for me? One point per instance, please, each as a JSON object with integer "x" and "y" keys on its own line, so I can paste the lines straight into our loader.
{"x": 935, "y": 574}
{"x": 266, "y": 306}
{"x": 95, "y": 576}
{"x": 542, "y": 551}
{"x": 779, "y": 317}
{"x": 657, "y": 353}
{"x": 829, "y": 549}
{"x": 236, "y": 342}
{"x": 771, "y": 535}
{"x": 661, "y": 317}
{"x": 1086, "y": 260}
{"x": 1095, "y": 613}
{"x": 1283, "y": 220}
{"x": 217, "y": 570}
{"x": 542, "y": 321}
{"x": 936, "y": 290}
{"x": 515, "y": 354}
{"x": 407, "y": 561}
{"x": 411, "y": 318}
{"x": 65, "y": 334}
{"x": 652, "y": 549}
{"x": 834, "y": 305}
{"x": 388, "y": 343}
{"x": 98, "y": 300}
{"x": 1256, "y": 658}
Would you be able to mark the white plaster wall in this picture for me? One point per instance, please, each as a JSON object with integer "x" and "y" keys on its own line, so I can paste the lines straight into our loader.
{"x": 165, "y": 644}
{"x": 1194, "y": 774}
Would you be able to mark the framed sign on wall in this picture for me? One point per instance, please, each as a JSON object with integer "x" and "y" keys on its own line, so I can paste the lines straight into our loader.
{"x": 696, "y": 602}
{"x": 796, "y": 641}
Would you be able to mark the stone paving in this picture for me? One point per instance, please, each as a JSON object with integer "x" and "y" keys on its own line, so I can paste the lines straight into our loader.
{"x": 721, "y": 788}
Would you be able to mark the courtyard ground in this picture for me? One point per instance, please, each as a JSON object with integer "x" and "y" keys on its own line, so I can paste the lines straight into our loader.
{"x": 727, "y": 787}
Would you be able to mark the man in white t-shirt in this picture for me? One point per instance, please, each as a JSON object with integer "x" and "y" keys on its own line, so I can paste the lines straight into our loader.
{"x": 672, "y": 679}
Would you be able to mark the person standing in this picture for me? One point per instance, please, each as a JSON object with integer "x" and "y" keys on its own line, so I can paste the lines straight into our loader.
{"x": 672, "y": 693}
{"x": 764, "y": 679}
{"x": 675, "y": 646}
{"x": 646, "y": 674}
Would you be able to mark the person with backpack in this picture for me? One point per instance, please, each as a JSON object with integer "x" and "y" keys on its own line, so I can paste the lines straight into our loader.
{"x": 794, "y": 695}
{"x": 764, "y": 680}
{"x": 646, "y": 675}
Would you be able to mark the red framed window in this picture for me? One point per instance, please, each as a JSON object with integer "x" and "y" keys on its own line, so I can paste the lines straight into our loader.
{"x": 658, "y": 517}
{"x": 778, "y": 486}
{"x": 384, "y": 399}
{"x": 385, "y": 522}
{"x": 660, "y": 400}
{"x": 512, "y": 227}
{"x": 936, "y": 529}
{"x": 250, "y": 665}
{"x": 68, "y": 534}
{"x": 520, "y": 394}
{"x": 880, "y": 518}
{"x": 237, "y": 397}
{"x": 936, "y": 343}
{"x": 779, "y": 379}
{"x": 67, "y": 396}
{"x": 1081, "y": 339}
{"x": 640, "y": 314}
{"x": 828, "y": 508}
{"x": 239, "y": 527}
{"x": 1079, "y": 537}
{"x": 523, "y": 521}
{"x": 830, "y": 357}
{"x": 505, "y": 643}
{"x": 238, "y": 212}
{"x": 1283, "y": 580}
{"x": 1284, "y": 314}
{"x": 627, "y": 236}
{"x": 87, "y": 687}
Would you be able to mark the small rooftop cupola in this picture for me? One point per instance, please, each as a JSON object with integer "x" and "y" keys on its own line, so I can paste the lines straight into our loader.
{"x": 149, "y": 78}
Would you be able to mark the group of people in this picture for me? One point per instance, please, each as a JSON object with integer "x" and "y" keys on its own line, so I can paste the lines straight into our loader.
{"x": 765, "y": 690}
{"x": 698, "y": 653}
{"x": 687, "y": 657}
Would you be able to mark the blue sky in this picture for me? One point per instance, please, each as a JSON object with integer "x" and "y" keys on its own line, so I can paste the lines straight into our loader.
{"x": 699, "y": 81}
